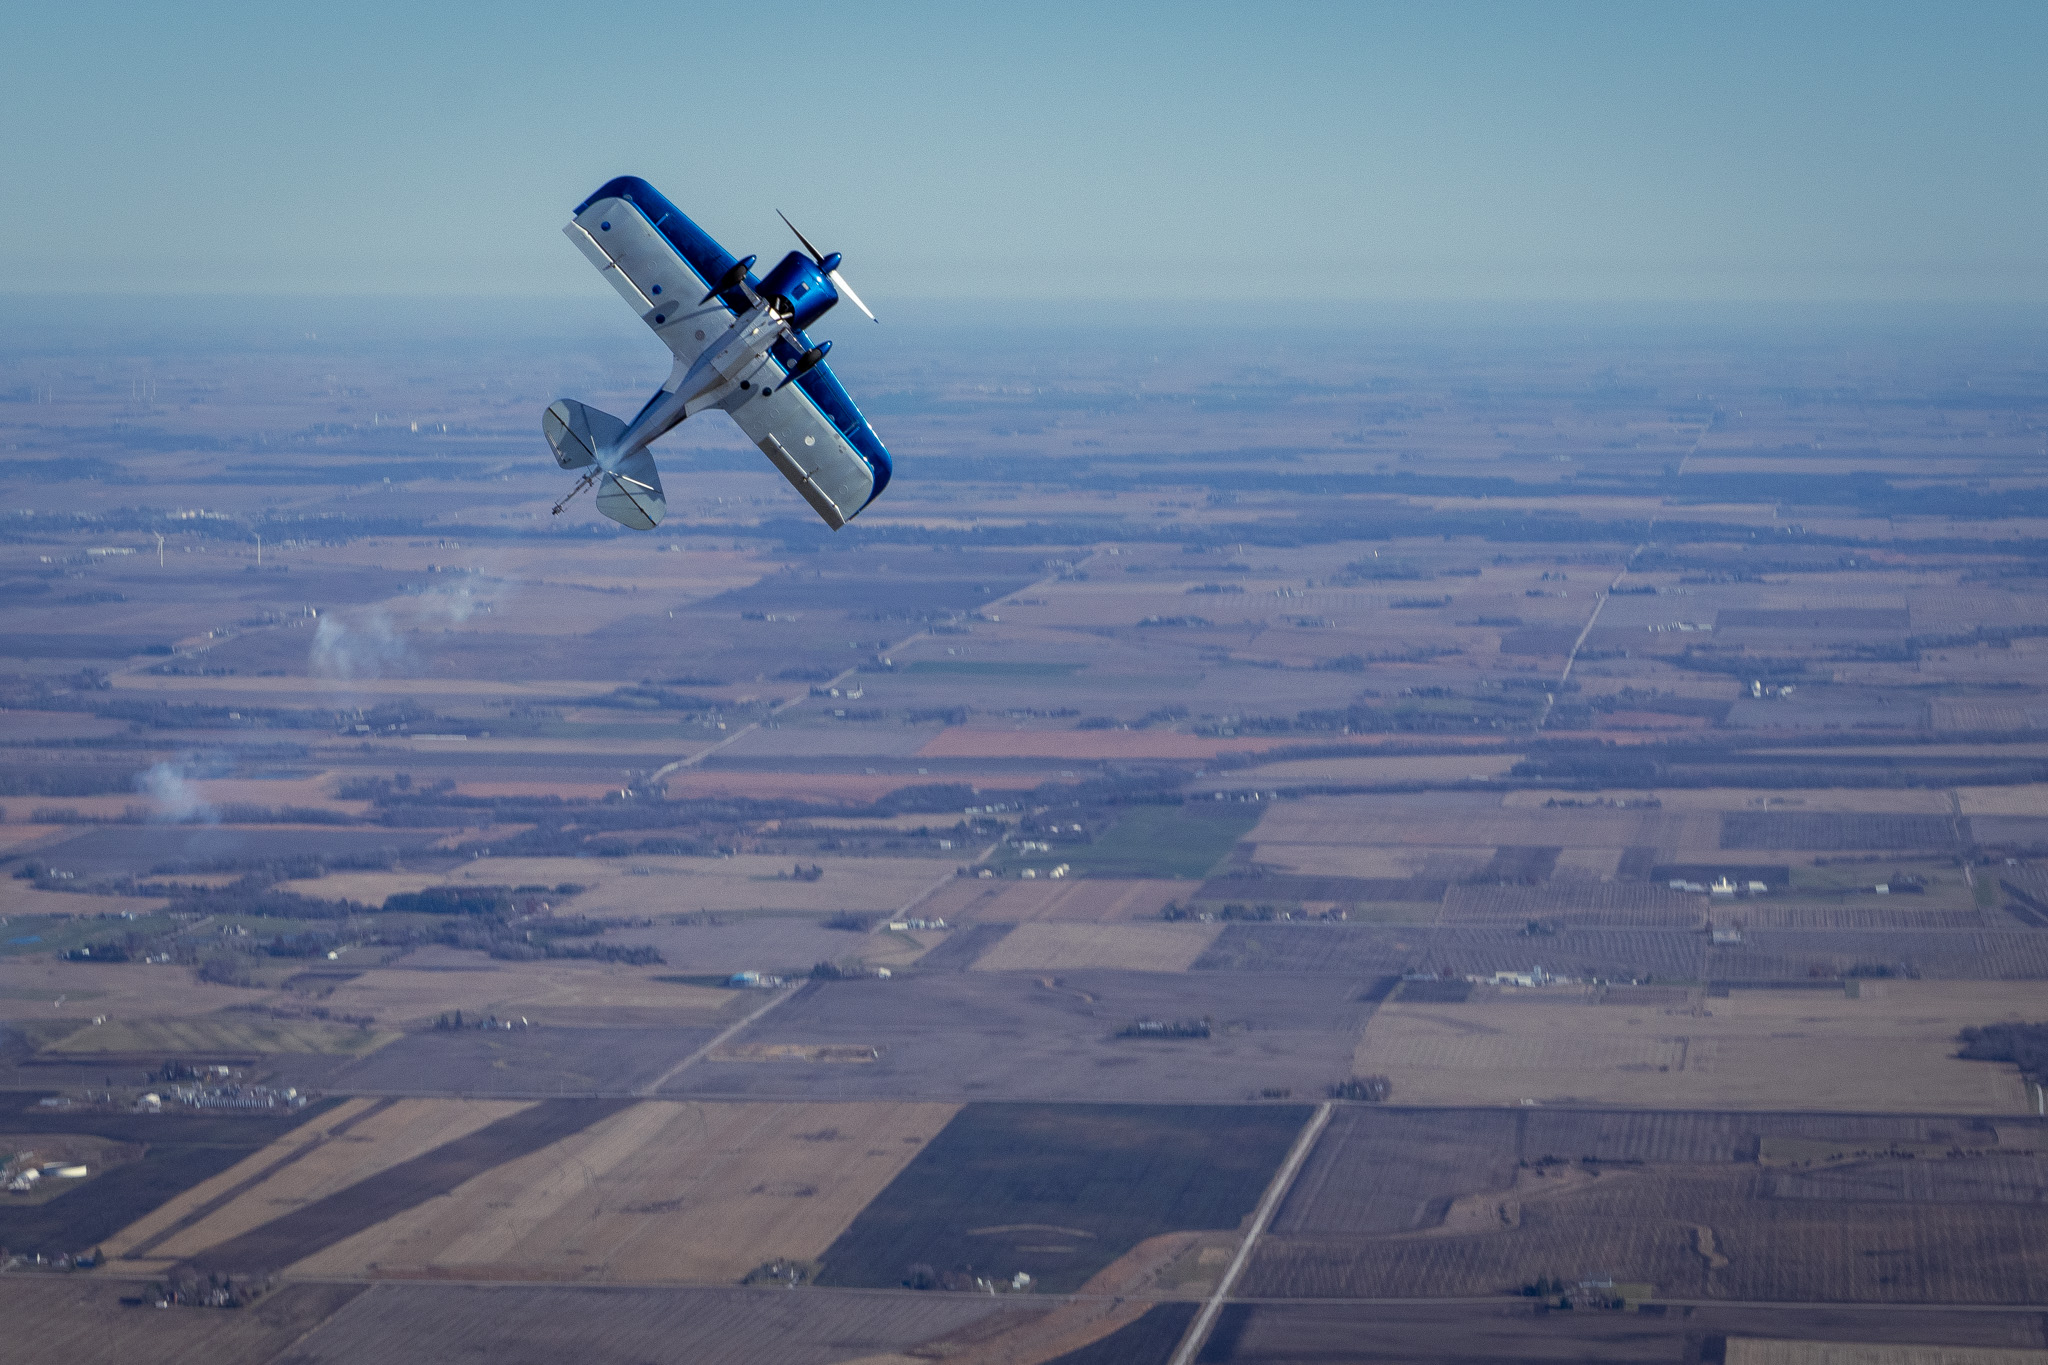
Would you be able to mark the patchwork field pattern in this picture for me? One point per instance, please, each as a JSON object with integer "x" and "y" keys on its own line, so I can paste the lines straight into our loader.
{"x": 1030, "y": 1036}
{"x": 179, "y": 1152}
{"x": 1446, "y": 1203}
{"x": 524, "y": 1063}
{"x": 543, "y": 1325}
{"x": 1420, "y": 1334}
{"x": 1061, "y": 1192}
{"x": 220, "y": 1034}
{"x": 72, "y": 1318}
{"x": 662, "y": 1191}
{"x": 1056, "y": 947}
{"x": 1891, "y": 1048}
{"x": 311, "y": 1227}
{"x": 1631, "y": 954}
{"x": 349, "y": 1143}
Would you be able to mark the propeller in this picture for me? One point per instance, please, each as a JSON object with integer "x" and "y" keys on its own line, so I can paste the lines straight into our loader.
{"x": 735, "y": 278}
{"x": 829, "y": 263}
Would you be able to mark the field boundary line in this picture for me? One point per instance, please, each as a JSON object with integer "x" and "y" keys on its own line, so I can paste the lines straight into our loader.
{"x": 661, "y": 775}
{"x": 140, "y": 1251}
{"x": 730, "y": 1031}
{"x": 1283, "y": 1179}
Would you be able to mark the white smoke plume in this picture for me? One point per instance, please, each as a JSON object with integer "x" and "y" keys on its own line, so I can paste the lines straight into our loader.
{"x": 178, "y": 802}
{"x": 364, "y": 644}
{"x": 388, "y": 639}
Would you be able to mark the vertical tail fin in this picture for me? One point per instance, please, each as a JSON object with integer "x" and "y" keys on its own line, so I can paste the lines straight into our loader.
{"x": 577, "y": 432}
{"x": 629, "y": 494}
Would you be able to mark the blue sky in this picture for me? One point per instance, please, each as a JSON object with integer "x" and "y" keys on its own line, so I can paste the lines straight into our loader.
{"x": 1122, "y": 153}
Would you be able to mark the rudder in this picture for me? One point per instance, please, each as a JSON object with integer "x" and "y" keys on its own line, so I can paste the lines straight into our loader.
{"x": 576, "y": 432}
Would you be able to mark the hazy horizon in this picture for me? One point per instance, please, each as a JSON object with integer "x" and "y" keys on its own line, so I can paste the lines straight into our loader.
{"x": 1309, "y": 155}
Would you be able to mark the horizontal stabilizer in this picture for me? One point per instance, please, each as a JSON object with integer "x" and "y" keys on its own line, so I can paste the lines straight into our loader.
{"x": 576, "y": 432}
{"x": 631, "y": 495}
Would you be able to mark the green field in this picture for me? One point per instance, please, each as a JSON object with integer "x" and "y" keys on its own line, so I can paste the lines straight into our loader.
{"x": 219, "y": 1033}
{"x": 1184, "y": 841}
{"x": 1061, "y": 1190}
{"x": 974, "y": 668}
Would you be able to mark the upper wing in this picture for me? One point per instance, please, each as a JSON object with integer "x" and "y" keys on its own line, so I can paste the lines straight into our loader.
{"x": 660, "y": 262}
{"x": 799, "y": 439}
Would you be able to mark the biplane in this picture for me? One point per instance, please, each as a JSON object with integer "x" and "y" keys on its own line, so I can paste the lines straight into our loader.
{"x": 740, "y": 347}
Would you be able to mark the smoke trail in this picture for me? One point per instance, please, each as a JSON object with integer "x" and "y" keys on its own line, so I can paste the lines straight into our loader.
{"x": 387, "y": 640}
{"x": 365, "y": 644}
{"x": 178, "y": 802}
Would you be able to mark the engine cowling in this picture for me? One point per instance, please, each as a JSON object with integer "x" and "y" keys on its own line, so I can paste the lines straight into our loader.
{"x": 798, "y": 282}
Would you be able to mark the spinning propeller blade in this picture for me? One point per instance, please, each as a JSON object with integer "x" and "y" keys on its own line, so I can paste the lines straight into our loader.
{"x": 816, "y": 254}
{"x": 830, "y": 265}
{"x": 846, "y": 292}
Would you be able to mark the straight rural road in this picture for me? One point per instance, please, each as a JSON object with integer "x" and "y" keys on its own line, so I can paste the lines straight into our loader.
{"x": 1198, "y": 1330}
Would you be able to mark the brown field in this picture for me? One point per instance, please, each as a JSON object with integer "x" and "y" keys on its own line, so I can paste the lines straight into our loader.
{"x": 1876, "y": 801}
{"x": 20, "y": 838}
{"x": 1685, "y": 1233}
{"x": 1372, "y": 860}
{"x": 72, "y": 1318}
{"x": 1476, "y": 819}
{"x": 1081, "y": 900}
{"x": 2028, "y": 799}
{"x": 1089, "y": 745}
{"x": 799, "y": 786}
{"x": 1051, "y": 947}
{"x": 663, "y": 1192}
{"x": 219, "y": 1033}
{"x": 665, "y": 885}
{"x": 30, "y": 987}
{"x": 477, "y": 985}
{"x": 1890, "y": 1050}
{"x": 1591, "y": 862}
{"x": 1368, "y": 770}
{"x": 545, "y": 1324}
{"x": 314, "y": 790}
{"x": 352, "y": 1142}
{"x": 796, "y": 1052}
{"x": 20, "y": 899}
{"x": 1754, "y": 1351}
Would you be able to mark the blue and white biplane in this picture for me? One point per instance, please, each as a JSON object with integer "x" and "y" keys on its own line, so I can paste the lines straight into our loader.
{"x": 739, "y": 346}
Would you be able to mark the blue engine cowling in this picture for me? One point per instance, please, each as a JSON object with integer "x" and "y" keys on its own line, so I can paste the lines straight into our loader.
{"x": 797, "y": 280}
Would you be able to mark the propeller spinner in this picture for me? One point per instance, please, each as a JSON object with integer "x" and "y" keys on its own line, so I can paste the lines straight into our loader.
{"x": 829, "y": 263}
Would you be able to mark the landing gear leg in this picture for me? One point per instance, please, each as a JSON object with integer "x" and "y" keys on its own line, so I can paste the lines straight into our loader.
{"x": 581, "y": 484}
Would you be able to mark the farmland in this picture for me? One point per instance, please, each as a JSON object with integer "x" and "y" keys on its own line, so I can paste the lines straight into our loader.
{"x": 1890, "y": 1048}
{"x": 179, "y": 1152}
{"x": 1382, "y": 1334}
{"x": 534, "y": 1325}
{"x": 1032, "y": 1035}
{"x": 1061, "y": 1191}
{"x": 216, "y": 1035}
{"x": 663, "y": 1191}
{"x": 86, "y": 1320}
{"x": 1159, "y": 841}
{"x": 522, "y": 1061}
{"x": 1439, "y": 663}
{"x": 313, "y": 1226}
{"x": 348, "y": 1144}
{"x": 1677, "y": 1201}
{"x": 1066, "y": 947}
